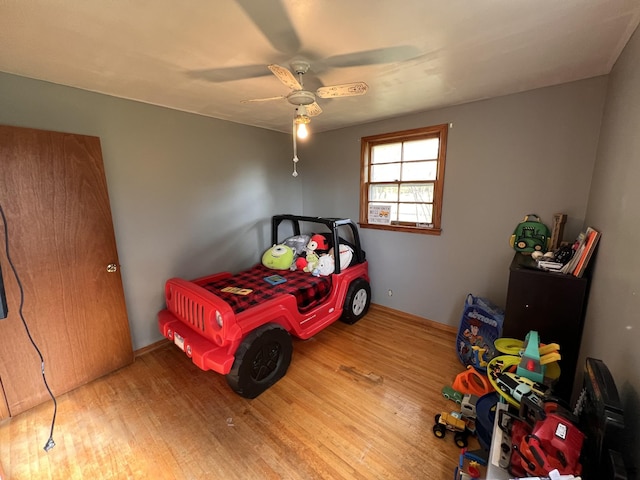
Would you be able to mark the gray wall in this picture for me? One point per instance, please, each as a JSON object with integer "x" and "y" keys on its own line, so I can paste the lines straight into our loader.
{"x": 190, "y": 195}
{"x": 532, "y": 152}
{"x": 612, "y": 330}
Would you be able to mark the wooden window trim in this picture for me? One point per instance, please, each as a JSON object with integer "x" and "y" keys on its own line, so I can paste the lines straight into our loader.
{"x": 402, "y": 136}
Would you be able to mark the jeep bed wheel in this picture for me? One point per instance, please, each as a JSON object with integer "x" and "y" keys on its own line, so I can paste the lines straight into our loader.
{"x": 357, "y": 301}
{"x": 261, "y": 360}
{"x": 439, "y": 431}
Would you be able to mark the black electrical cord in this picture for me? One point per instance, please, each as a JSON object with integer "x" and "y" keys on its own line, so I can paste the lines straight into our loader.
{"x": 50, "y": 443}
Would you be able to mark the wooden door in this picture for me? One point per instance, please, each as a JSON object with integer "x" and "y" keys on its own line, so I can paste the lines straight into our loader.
{"x": 60, "y": 239}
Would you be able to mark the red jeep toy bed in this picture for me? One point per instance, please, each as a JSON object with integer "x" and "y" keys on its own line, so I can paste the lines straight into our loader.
{"x": 241, "y": 325}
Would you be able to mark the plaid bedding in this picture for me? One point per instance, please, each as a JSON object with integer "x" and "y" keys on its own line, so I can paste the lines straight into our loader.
{"x": 308, "y": 290}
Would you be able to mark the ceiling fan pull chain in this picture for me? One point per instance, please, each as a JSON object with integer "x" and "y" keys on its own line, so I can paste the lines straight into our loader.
{"x": 295, "y": 152}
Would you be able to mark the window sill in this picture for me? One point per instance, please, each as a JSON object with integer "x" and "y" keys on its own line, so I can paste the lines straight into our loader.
{"x": 402, "y": 228}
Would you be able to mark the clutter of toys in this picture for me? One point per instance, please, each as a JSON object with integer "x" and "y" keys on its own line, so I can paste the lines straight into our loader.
{"x": 511, "y": 379}
{"x": 505, "y": 394}
{"x": 519, "y": 373}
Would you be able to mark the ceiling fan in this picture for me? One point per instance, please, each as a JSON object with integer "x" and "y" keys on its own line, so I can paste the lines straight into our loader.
{"x": 271, "y": 18}
{"x": 305, "y": 100}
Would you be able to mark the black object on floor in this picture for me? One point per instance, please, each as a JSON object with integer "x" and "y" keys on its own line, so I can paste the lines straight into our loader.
{"x": 3, "y": 298}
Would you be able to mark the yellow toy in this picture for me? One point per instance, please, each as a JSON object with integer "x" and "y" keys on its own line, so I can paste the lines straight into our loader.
{"x": 511, "y": 346}
{"x": 527, "y": 360}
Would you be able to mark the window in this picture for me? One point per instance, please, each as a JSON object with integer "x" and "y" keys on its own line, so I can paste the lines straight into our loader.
{"x": 402, "y": 178}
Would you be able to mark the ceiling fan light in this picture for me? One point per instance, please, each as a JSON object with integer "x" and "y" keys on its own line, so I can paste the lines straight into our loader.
{"x": 302, "y": 131}
{"x": 301, "y": 120}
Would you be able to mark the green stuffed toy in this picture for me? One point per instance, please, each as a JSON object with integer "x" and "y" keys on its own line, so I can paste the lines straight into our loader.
{"x": 278, "y": 257}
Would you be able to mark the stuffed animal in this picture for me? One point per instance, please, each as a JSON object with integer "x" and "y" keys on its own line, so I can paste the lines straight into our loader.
{"x": 278, "y": 257}
{"x": 324, "y": 267}
{"x": 298, "y": 243}
{"x": 345, "y": 254}
{"x": 312, "y": 261}
{"x": 317, "y": 243}
{"x": 299, "y": 264}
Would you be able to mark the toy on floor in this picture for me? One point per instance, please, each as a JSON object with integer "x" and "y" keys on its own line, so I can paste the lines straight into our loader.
{"x": 473, "y": 382}
{"x": 511, "y": 386}
{"x": 454, "y": 422}
{"x": 555, "y": 443}
{"x": 485, "y": 419}
{"x": 480, "y": 326}
{"x": 452, "y": 394}
{"x": 531, "y": 364}
{"x": 479, "y": 356}
{"x": 527, "y": 359}
{"x": 472, "y": 471}
{"x": 468, "y": 405}
{"x": 510, "y": 346}
{"x": 462, "y": 422}
{"x": 515, "y": 389}
{"x": 542, "y": 437}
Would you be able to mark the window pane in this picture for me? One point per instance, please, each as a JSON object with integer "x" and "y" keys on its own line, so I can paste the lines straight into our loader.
{"x": 385, "y": 173}
{"x": 419, "y": 170}
{"x": 415, "y": 213}
{"x": 394, "y": 209}
{"x": 382, "y": 193}
{"x": 416, "y": 192}
{"x": 426, "y": 149}
{"x": 389, "y": 152}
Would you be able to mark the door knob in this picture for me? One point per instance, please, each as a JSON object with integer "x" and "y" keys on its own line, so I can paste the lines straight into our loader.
{"x": 112, "y": 268}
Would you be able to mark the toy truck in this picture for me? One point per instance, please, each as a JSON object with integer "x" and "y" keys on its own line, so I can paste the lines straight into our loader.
{"x": 468, "y": 405}
{"x": 450, "y": 394}
{"x": 454, "y": 422}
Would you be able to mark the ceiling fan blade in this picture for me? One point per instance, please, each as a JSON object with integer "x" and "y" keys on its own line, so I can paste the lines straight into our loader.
{"x": 374, "y": 57}
{"x": 271, "y": 17}
{"x": 228, "y": 74}
{"x": 344, "y": 90}
{"x": 313, "y": 109}
{"x": 268, "y": 99}
{"x": 285, "y": 76}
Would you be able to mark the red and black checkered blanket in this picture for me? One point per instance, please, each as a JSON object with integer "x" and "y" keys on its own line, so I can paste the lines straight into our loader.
{"x": 308, "y": 290}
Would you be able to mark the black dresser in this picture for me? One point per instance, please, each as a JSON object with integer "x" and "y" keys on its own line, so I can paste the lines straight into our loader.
{"x": 554, "y": 305}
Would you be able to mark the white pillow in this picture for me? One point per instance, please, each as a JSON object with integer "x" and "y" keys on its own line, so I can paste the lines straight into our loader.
{"x": 346, "y": 255}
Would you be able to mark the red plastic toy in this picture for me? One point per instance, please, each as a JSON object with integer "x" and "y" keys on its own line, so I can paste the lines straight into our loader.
{"x": 554, "y": 443}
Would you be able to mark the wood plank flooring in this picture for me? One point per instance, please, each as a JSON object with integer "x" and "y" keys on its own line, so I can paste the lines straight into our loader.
{"x": 358, "y": 402}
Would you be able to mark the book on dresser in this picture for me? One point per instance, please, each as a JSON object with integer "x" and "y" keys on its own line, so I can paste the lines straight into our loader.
{"x": 578, "y": 247}
{"x": 584, "y": 246}
{"x": 591, "y": 241}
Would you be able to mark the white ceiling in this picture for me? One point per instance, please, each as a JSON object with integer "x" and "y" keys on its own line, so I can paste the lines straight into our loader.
{"x": 205, "y": 56}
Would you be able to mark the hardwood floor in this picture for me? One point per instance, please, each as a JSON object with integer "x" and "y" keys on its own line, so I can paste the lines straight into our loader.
{"x": 358, "y": 402}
